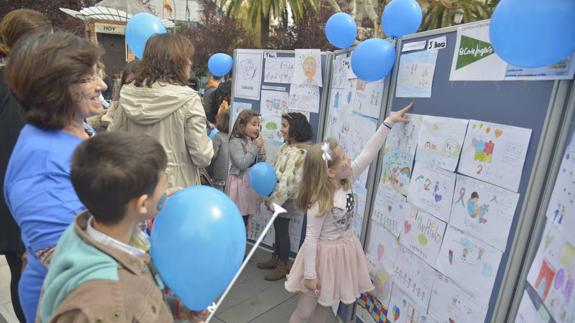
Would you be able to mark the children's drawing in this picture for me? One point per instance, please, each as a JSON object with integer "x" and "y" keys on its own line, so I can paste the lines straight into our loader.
{"x": 272, "y": 105}
{"x": 415, "y": 76}
{"x": 304, "y": 98}
{"x": 249, "y": 75}
{"x": 399, "y": 152}
{"x": 495, "y": 153}
{"x": 552, "y": 274}
{"x": 450, "y": 303}
{"x": 561, "y": 210}
{"x": 402, "y": 309}
{"x": 307, "y": 69}
{"x": 431, "y": 190}
{"x": 278, "y": 69}
{"x": 381, "y": 253}
{"x": 360, "y": 197}
{"x": 483, "y": 210}
{"x": 471, "y": 263}
{"x": 295, "y": 227}
{"x": 373, "y": 307}
{"x": 531, "y": 310}
{"x": 440, "y": 141}
{"x": 355, "y": 131}
{"x": 257, "y": 225}
{"x": 238, "y": 107}
{"x": 422, "y": 233}
{"x": 341, "y": 67}
{"x": 414, "y": 276}
{"x": 367, "y": 98}
{"x": 390, "y": 209}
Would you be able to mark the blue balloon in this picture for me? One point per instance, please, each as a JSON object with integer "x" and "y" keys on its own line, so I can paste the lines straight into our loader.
{"x": 373, "y": 59}
{"x": 198, "y": 243}
{"x": 262, "y": 177}
{"x": 401, "y": 17}
{"x": 140, "y": 28}
{"x": 341, "y": 30}
{"x": 533, "y": 33}
{"x": 220, "y": 64}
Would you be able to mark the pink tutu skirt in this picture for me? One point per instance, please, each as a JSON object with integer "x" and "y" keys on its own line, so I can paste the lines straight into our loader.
{"x": 241, "y": 192}
{"x": 341, "y": 268}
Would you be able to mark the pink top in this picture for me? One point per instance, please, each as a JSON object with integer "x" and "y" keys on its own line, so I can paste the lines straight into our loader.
{"x": 336, "y": 222}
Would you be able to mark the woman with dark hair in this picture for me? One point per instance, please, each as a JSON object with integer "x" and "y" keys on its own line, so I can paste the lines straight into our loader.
{"x": 297, "y": 133}
{"x": 55, "y": 78}
{"x": 160, "y": 104}
{"x": 15, "y": 25}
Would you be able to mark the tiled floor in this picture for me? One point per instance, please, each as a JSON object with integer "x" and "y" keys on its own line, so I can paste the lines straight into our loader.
{"x": 252, "y": 299}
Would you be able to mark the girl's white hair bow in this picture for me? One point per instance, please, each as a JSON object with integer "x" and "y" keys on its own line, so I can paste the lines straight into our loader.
{"x": 325, "y": 154}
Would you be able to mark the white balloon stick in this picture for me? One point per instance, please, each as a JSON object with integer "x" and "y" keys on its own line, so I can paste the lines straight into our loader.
{"x": 277, "y": 211}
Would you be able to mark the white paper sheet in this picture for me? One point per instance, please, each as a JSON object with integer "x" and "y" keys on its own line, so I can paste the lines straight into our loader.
{"x": 257, "y": 224}
{"x": 415, "y": 76}
{"x": 402, "y": 309}
{"x": 495, "y": 153}
{"x": 561, "y": 210}
{"x": 440, "y": 141}
{"x": 469, "y": 262}
{"x": 431, "y": 190}
{"x": 562, "y": 70}
{"x": 278, "y": 69}
{"x": 382, "y": 250}
{"x": 354, "y": 133}
{"x": 272, "y": 105}
{"x": 422, "y": 233}
{"x": 483, "y": 210}
{"x": 360, "y": 197}
{"x": 399, "y": 153}
{"x": 367, "y": 98}
{"x": 341, "y": 66}
{"x": 390, "y": 209}
{"x": 411, "y": 46}
{"x": 238, "y": 107}
{"x": 474, "y": 58}
{"x": 414, "y": 276}
{"x": 248, "y": 78}
{"x": 307, "y": 68}
{"x": 450, "y": 303}
{"x": 304, "y": 98}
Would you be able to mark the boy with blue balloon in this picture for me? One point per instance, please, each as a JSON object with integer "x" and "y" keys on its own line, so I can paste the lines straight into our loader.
{"x": 95, "y": 273}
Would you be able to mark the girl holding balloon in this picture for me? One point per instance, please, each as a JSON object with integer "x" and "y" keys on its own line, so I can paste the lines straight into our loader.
{"x": 331, "y": 266}
{"x": 246, "y": 148}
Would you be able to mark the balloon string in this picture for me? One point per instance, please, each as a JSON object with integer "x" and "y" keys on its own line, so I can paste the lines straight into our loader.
{"x": 278, "y": 210}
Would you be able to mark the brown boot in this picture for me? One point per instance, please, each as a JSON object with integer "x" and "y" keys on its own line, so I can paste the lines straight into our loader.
{"x": 279, "y": 273}
{"x": 271, "y": 263}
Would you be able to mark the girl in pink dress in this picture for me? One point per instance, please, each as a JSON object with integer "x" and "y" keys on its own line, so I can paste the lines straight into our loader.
{"x": 331, "y": 266}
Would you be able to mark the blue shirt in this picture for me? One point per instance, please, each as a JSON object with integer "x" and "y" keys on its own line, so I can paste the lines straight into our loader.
{"x": 37, "y": 186}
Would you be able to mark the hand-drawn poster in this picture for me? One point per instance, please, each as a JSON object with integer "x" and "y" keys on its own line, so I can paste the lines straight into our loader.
{"x": 562, "y": 70}
{"x": 483, "y": 210}
{"x": 440, "y": 141}
{"x": 272, "y": 105}
{"x": 360, "y": 197}
{"x": 415, "y": 76}
{"x": 422, "y": 233}
{"x": 295, "y": 231}
{"x": 402, "y": 309}
{"x": 307, "y": 68}
{"x": 341, "y": 67}
{"x": 354, "y": 133}
{"x": 552, "y": 274}
{"x": 414, "y": 276}
{"x": 449, "y": 303}
{"x": 474, "y": 58}
{"x": 257, "y": 225}
{"x": 399, "y": 152}
{"x": 304, "y": 98}
{"x": 278, "y": 69}
{"x": 561, "y": 210}
{"x": 495, "y": 153}
{"x": 469, "y": 262}
{"x": 367, "y": 98}
{"x": 238, "y": 107}
{"x": 248, "y": 75}
{"x": 381, "y": 253}
{"x": 431, "y": 190}
{"x": 391, "y": 209}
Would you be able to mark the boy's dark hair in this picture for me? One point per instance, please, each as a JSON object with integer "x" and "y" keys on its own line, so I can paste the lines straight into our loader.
{"x": 299, "y": 127}
{"x": 474, "y": 195}
{"x": 223, "y": 123}
{"x": 111, "y": 169}
{"x": 223, "y": 92}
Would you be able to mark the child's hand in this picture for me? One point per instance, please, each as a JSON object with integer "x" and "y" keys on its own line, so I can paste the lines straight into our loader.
{"x": 259, "y": 141}
{"x": 312, "y": 284}
{"x": 399, "y": 116}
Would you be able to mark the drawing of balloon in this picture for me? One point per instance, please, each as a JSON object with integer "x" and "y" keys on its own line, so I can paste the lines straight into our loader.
{"x": 395, "y": 313}
{"x": 422, "y": 239}
{"x": 559, "y": 279}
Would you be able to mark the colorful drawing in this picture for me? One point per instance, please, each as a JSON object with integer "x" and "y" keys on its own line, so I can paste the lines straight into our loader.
{"x": 399, "y": 153}
{"x": 278, "y": 69}
{"x": 544, "y": 280}
{"x": 440, "y": 141}
{"x": 414, "y": 276}
{"x": 341, "y": 67}
{"x": 307, "y": 67}
{"x": 390, "y": 209}
{"x": 382, "y": 250}
{"x": 495, "y": 153}
{"x": 374, "y": 307}
{"x": 469, "y": 262}
{"x": 415, "y": 76}
{"x": 367, "y": 98}
{"x": 431, "y": 190}
{"x": 304, "y": 98}
{"x": 402, "y": 309}
{"x": 483, "y": 210}
{"x": 423, "y": 234}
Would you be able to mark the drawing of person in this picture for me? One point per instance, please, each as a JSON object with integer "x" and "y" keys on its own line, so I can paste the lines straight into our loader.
{"x": 309, "y": 67}
{"x": 472, "y": 207}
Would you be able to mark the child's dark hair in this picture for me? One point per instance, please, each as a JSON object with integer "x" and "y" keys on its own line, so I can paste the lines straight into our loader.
{"x": 299, "y": 127}
{"x": 111, "y": 169}
{"x": 243, "y": 119}
{"x": 223, "y": 123}
{"x": 474, "y": 195}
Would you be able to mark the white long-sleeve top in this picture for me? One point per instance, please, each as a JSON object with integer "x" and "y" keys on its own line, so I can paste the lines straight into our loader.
{"x": 335, "y": 223}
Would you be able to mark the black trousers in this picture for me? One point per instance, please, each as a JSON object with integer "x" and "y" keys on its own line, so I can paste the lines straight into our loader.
{"x": 282, "y": 244}
{"x": 14, "y": 259}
